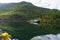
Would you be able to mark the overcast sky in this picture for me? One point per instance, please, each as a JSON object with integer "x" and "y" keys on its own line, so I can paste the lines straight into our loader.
{"x": 52, "y": 4}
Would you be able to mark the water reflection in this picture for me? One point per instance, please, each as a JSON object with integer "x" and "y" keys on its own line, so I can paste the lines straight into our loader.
{"x": 47, "y": 37}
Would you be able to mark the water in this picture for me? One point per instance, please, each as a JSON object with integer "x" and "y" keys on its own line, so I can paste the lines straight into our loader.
{"x": 47, "y": 37}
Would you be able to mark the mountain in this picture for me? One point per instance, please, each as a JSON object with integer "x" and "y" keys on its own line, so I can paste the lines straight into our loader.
{"x": 5, "y": 6}
{"x": 28, "y": 11}
{"x": 14, "y": 17}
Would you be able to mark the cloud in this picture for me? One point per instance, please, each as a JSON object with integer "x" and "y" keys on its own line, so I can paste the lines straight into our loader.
{"x": 52, "y": 4}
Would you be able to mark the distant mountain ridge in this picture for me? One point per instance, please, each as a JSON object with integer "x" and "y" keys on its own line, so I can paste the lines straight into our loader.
{"x": 27, "y": 9}
{"x": 6, "y": 6}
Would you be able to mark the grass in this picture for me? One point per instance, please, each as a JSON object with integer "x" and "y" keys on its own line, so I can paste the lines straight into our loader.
{"x": 25, "y": 31}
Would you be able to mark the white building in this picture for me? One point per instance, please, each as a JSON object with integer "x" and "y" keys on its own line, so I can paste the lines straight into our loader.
{"x": 34, "y": 21}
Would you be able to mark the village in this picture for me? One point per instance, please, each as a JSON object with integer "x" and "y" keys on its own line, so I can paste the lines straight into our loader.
{"x": 44, "y": 22}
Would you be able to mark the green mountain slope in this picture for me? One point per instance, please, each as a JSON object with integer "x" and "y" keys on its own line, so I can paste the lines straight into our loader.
{"x": 4, "y": 7}
{"x": 14, "y": 16}
{"x": 29, "y": 10}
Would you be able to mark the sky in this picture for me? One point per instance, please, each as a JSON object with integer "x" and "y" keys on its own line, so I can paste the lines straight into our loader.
{"x": 52, "y": 4}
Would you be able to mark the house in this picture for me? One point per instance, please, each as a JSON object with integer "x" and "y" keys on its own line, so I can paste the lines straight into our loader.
{"x": 34, "y": 21}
